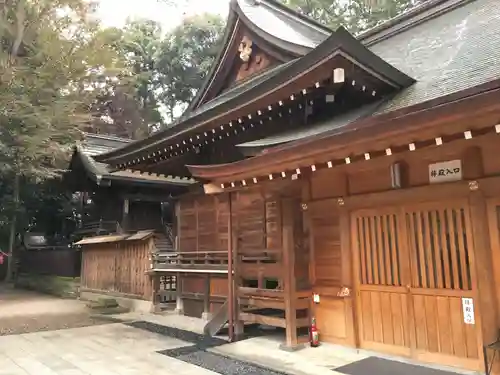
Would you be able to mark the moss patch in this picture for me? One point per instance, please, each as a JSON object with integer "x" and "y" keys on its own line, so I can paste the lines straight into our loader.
{"x": 64, "y": 287}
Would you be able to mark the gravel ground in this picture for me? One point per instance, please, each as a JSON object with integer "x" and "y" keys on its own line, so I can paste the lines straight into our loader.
{"x": 196, "y": 354}
{"x": 201, "y": 341}
{"x": 47, "y": 322}
{"x": 224, "y": 365}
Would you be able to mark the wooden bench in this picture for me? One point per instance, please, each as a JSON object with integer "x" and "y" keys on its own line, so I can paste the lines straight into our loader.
{"x": 495, "y": 347}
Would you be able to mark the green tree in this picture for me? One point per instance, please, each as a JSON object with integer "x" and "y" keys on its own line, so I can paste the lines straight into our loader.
{"x": 127, "y": 104}
{"x": 51, "y": 57}
{"x": 184, "y": 59}
{"x": 355, "y": 15}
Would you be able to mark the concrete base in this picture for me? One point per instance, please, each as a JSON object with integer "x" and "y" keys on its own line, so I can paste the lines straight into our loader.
{"x": 155, "y": 309}
{"x": 206, "y": 316}
{"x": 179, "y": 311}
{"x": 287, "y": 348}
{"x": 129, "y": 303}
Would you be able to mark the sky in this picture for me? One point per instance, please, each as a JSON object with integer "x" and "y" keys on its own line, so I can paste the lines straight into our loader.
{"x": 115, "y": 12}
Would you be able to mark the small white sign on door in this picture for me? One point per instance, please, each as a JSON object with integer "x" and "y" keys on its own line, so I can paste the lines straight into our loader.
{"x": 445, "y": 171}
{"x": 468, "y": 307}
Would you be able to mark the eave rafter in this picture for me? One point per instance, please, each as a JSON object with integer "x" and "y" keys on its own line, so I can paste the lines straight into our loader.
{"x": 286, "y": 106}
{"x": 297, "y": 173}
{"x": 339, "y": 56}
{"x": 463, "y": 116}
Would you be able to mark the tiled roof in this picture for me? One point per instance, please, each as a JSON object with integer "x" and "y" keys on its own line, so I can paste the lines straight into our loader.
{"x": 336, "y": 122}
{"x": 455, "y": 51}
{"x": 446, "y": 45}
{"x": 95, "y": 144}
{"x": 283, "y": 23}
{"x": 449, "y": 53}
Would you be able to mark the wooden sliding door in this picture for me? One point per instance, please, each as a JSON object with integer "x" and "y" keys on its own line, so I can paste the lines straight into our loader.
{"x": 383, "y": 274}
{"x": 414, "y": 274}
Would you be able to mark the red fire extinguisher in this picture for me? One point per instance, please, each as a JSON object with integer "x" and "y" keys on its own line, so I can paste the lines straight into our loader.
{"x": 313, "y": 334}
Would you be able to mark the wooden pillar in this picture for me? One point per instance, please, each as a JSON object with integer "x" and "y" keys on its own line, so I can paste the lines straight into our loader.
{"x": 481, "y": 261}
{"x": 230, "y": 289}
{"x": 206, "y": 299}
{"x": 179, "y": 302}
{"x": 125, "y": 218}
{"x": 288, "y": 213}
{"x": 238, "y": 324}
{"x": 155, "y": 294}
{"x": 347, "y": 274}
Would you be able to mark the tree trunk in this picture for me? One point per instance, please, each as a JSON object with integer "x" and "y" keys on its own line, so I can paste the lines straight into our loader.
{"x": 12, "y": 234}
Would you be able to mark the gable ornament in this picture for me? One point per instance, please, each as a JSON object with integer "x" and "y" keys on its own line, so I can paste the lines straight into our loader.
{"x": 245, "y": 49}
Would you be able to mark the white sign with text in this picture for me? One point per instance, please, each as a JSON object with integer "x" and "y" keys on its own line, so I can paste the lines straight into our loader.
{"x": 445, "y": 171}
{"x": 468, "y": 307}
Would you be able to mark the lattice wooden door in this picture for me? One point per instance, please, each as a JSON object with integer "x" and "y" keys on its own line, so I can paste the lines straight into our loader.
{"x": 383, "y": 272}
{"x": 414, "y": 271}
{"x": 441, "y": 247}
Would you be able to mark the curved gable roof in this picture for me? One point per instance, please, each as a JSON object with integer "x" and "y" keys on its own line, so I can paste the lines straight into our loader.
{"x": 284, "y": 29}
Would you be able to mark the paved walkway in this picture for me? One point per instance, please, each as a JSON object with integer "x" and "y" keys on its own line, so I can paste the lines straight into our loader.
{"x": 120, "y": 349}
{"x": 112, "y": 349}
{"x": 17, "y": 302}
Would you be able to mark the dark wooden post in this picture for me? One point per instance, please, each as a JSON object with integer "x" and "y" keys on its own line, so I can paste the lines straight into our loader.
{"x": 155, "y": 294}
{"x": 206, "y": 299}
{"x": 179, "y": 307}
{"x": 230, "y": 289}
{"x": 125, "y": 218}
{"x": 288, "y": 213}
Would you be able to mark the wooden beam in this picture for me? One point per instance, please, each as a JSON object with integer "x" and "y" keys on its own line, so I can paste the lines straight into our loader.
{"x": 264, "y": 303}
{"x": 263, "y": 319}
{"x": 252, "y": 292}
{"x": 253, "y": 270}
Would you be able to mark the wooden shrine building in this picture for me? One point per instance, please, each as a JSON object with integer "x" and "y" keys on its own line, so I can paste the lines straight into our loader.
{"x": 349, "y": 178}
{"x": 114, "y": 200}
{"x": 124, "y": 214}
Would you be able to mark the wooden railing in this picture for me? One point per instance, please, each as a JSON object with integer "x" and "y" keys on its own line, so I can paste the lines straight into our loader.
{"x": 209, "y": 261}
{"x": 217, "y": 261}
{"x": 169, "y": 232}
{"x": 96, "y": 228}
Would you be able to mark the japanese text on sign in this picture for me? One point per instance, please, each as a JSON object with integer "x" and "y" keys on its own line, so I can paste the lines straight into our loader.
{"x": 468, "y": 308}
{"x": 445, "y": 171}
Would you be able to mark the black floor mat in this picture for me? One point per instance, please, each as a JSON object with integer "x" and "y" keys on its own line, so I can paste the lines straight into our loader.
{"x": 381, "y": 366}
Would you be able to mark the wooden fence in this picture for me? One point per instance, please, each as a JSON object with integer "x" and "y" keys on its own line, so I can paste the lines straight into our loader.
{"x": 118, "y": 267}
{"x": 55, "y": 261}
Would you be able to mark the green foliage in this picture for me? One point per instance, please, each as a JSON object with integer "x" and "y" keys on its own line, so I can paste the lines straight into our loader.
{"x": 184, "y": 59}
{"x": 127, "y": 105}
{"x": 52, "y": 56}
{"x": 355, "y": 15}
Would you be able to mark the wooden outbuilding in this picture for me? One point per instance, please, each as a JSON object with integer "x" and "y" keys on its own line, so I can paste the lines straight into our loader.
{"x": 126, "y": 217}
{"x": 349, "y": 178}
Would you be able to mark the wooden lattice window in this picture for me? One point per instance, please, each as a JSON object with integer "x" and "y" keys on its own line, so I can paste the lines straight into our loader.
{"x": 379, "y": 245}
{"x": 440, "y": 255}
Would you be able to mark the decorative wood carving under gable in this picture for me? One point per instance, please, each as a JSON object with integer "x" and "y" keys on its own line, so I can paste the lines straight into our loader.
{"x": 249, "y": 60}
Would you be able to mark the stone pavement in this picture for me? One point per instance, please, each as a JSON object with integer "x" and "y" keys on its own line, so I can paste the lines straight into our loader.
{"x": 112, "y": 349}
{"x": 265, "y": 352}
{"x": 142, "y": 345}
{"x": 15, "y": 302}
